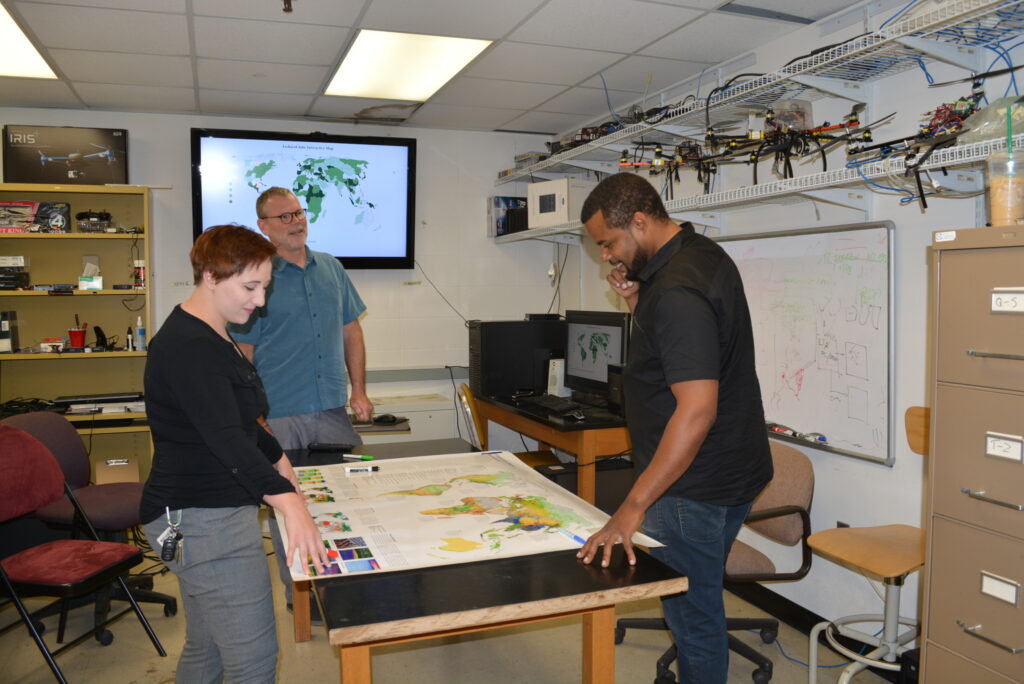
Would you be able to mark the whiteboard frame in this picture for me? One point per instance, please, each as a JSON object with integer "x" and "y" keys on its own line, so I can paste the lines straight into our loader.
{"x": 890, "y": 229}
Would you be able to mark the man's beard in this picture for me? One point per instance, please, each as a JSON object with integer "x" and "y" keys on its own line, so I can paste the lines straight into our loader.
{"x": 640, "y": 259}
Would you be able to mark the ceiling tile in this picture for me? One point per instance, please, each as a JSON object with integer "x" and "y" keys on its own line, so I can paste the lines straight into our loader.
{"x": 136, "y": 98}
{"x": 718, "y": 37}
{"x": 266, "y": 41}
{"x": 223, "y": 74}
{"x": 87, "y": 28}
{"x": 470, "y": 91}
{"x": 361, "y": 107}
{"x": 632, "y": 74}
{"x": 470, "y": 118}
{"x": 600, "y": 25}
{"x": 267, "y": 104}
{"x": 36, "y": 92}
{"x": 462, "y": 18}
{"x": 548, "y": 123}
{"x": 589, "y": 102}
{"x": 173, "y": 6}
{"x": 540, "y": 63}
{"x": 317, "y": 12}
{"x": 124, "y": 68}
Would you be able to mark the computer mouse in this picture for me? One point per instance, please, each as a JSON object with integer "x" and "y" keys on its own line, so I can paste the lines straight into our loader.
{"x": 575, "y": 414}
{"x": 385, "y": 419}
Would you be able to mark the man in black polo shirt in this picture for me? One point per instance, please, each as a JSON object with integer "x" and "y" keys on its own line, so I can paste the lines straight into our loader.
{"x": 693, "y": 407}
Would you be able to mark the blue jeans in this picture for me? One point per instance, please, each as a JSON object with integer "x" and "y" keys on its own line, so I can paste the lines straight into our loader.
{"x": 230, "y": 633}
{"x": 697, "y": 538}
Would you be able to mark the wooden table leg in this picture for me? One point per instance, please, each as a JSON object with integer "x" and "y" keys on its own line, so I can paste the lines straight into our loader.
{"x": 300, "y": 611}
{"x": 586, "y": 477}
{"x": 355, "y": 664}
{"x": 598, "y": 646}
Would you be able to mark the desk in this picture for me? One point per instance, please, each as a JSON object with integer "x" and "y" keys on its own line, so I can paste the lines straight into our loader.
{"x": 587, "y": 444}
{"x": 363, "y": 611}
{"x": 302, "y": 457}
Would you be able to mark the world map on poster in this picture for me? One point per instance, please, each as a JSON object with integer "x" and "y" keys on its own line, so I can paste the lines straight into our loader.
{"x": 434, "y": 510}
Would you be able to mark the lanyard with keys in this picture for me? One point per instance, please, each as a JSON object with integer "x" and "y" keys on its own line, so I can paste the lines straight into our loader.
{"x": 170, "y": 541}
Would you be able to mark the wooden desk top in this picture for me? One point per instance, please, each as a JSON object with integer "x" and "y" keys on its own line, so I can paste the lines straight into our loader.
{"x": 384, "y": 606}
{"x": 607, "y": 420}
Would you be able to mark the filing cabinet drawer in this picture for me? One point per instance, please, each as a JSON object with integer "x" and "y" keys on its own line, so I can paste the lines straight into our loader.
{"x": 975, "y": 599}
{"x": 981, "y": 314}
{"x": 943, "y": 667}
{"x": 979, "y": 447}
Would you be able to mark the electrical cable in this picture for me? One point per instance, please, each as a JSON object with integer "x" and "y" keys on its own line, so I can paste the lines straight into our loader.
{"x": 608, "y": 99}
{"x": 898, "y": 14}
{"x": 440, "y": 294}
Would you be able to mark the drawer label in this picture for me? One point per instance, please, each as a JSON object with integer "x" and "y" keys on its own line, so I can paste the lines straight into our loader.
{"x": 1008, "y": 300}
{"x": 1010, "y": 447}
{"x": 945, "y": 236}
{"x": 1000, "y": 588}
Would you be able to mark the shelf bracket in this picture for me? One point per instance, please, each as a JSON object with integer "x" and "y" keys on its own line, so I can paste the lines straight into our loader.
{"x": 849, "y": 198}
{"x": 848, "y": 90}
{"x": 965, "y": 56}
{"x": 958, "y": 180}
{"x": 712, "y": 219}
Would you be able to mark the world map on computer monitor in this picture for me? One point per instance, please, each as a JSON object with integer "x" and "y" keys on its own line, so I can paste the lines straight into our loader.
{"x": 354, "y": 194}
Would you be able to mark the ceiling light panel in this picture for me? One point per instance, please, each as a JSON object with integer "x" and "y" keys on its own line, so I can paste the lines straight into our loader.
{"x": 401, "y": 66}
{"x": 19, "y": 57}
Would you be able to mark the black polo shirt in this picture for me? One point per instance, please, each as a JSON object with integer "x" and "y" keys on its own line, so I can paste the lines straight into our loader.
{"x": 692, "y": 323}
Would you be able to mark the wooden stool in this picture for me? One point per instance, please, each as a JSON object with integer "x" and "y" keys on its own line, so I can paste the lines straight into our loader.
{"x": 889, "y": 552}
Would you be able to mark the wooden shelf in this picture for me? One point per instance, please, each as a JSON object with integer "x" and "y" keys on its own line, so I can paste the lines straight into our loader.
{"x": 77, "y": 293}
{"x": 53, "y": 356}
{"x": 72, "y": 236}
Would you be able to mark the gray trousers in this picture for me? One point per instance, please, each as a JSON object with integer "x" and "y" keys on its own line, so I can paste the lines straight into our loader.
{"x": 230, "y": 632}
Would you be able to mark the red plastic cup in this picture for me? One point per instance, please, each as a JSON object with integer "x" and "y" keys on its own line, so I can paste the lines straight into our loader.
{"x": 77, "y": 337}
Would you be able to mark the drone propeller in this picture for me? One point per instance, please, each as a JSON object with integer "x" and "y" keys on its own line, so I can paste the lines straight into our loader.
{"x": 978, "y": 77}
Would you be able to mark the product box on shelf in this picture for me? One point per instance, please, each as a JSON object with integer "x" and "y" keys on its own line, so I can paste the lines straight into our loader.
{"x": 497, "y": 213}
{"x": 65, "y": 154}
{"x": 35, "y": 217}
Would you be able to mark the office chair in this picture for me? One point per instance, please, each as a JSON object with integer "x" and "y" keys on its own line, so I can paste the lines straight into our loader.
{"x": 112, "y": 508}
{"x": 781, "y": 514}
{"x": 65, "y": 568}
{"x": 475, "y": 425}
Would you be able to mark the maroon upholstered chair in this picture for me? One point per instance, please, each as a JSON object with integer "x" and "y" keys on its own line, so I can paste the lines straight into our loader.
{"x": 66, "y": 568}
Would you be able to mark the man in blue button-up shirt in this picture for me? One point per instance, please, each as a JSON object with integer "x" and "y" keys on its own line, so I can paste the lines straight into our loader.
{"x": 306, "y": 336}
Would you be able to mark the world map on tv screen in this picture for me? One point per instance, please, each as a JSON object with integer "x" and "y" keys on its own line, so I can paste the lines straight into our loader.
{"x": 355, "y": 194}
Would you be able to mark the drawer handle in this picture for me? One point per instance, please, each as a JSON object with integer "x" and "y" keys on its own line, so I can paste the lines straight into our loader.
{"x": 994, "y": 355}
{"x": 980, "y": 496}
{"x": 973, "y": 631}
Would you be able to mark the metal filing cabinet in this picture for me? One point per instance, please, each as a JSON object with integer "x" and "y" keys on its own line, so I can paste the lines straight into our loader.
{"x": 974, "y": 568}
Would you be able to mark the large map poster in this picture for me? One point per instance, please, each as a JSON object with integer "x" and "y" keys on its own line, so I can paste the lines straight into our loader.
{"x": 435, "y": 510}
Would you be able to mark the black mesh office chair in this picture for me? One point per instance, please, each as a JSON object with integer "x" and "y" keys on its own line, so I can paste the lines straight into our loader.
{"x": 781, "y": 514}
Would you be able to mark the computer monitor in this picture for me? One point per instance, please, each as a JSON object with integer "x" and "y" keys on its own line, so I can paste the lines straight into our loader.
{"x": 594, "y": 339}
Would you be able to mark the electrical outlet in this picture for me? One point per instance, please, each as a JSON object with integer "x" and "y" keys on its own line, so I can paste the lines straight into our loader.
{"x": 840, "y": 523}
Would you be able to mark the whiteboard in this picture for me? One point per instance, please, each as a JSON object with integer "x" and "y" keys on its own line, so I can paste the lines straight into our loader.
{"x": 821, "y": 306}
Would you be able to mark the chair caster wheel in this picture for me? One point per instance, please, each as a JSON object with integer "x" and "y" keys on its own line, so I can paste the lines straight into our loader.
{"x": 40, "y": 626}
{"x": 620, "y": 634}
{"x": 761, "y": 677}
{"x": 105, "y": 637}
{"x": 769, "y": 635}
{"x": 171, "y": 609}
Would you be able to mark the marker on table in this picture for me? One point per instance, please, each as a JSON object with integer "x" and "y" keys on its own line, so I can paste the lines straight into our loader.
{"x": 357, "y": 457}
{"x": 361, "y": 469}
{"x": 579, "y": 540}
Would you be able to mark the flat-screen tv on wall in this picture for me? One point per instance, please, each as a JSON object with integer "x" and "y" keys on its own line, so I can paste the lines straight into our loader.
{"x": 358, "y": 191}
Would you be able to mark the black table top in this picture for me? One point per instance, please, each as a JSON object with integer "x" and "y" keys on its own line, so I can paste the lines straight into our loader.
{"x": 424, "y": 447}
{"x": 594, "y": 418}
{"x": 370, "y": 599}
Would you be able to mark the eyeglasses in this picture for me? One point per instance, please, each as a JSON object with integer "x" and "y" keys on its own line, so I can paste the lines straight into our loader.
{"x": 288, "y": 216}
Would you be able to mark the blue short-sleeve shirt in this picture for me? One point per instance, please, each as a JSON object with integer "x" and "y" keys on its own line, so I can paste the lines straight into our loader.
{"x": 300, "y": 348}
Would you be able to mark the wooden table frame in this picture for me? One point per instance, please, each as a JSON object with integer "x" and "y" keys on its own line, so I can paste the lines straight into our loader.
{"x": 587, "y": 445}
{"x": 596, "y": 606}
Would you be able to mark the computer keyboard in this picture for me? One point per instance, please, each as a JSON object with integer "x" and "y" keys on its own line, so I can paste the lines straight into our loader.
{"x": 550, "y": 403}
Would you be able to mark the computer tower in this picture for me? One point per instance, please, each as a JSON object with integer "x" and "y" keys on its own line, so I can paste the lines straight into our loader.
{"x": 508, "y": 357}
{"x": 614, "y": 480}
